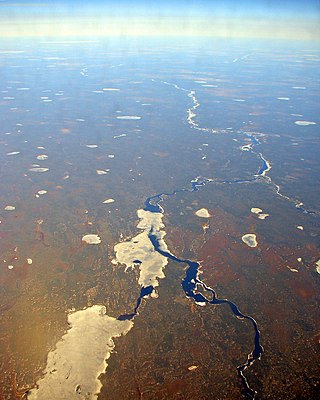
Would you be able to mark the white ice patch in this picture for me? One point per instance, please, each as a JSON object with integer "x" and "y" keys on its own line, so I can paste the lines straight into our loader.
{"x": 140, "y": 248}
{"x": 91, "y": 239}
{"x": 263, "y": 216}
{"x": 11, "y": 51}
{"x": 102, "y": 171}
{"x": 292, "y": 269}
{"x": 108, "y": 201}
{"x": 110, "y": 90}
{"x": 133, "y": 117}
{"x": 259, "y": 213}
{"x": 200, "y": 303}
{"x": 305, "y": 123}
{"x": 318, "y": 266}
{"x": 250, "y": 239}
{"x": 74, "y": 366}
{"x": 9, "y": 208}
{"x": 256, "y": 210}
{"x": 203, "y": 213}
{"x": 247, "y": 147}
{"x": 38, "y": 169}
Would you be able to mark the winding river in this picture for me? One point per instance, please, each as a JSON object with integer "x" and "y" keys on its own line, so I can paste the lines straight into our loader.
{"x": 65, "y": 373}
{"x": 191, "y": 282}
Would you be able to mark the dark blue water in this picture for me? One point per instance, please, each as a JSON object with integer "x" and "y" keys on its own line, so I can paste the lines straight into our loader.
{"x": 190, "y": 284}
{"x": 191, "y": 280}
{"x": 264, "y": 166}
{"x": 145, "y": 291}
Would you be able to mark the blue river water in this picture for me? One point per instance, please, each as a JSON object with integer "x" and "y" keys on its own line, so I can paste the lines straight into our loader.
{"x": 191, "y": 281}
{"x": 190, "y": 284}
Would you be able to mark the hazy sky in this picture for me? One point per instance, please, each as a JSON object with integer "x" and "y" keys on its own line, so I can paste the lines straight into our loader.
{"x": 284, "y": 19}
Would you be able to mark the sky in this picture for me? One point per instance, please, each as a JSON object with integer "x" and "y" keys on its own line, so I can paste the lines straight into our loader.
{"x": 281, "y": 19}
